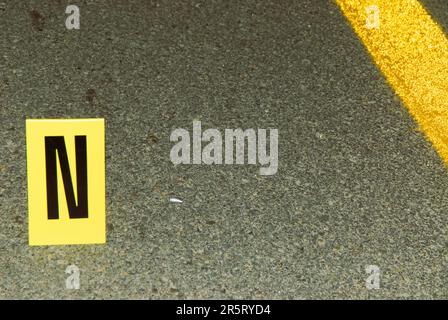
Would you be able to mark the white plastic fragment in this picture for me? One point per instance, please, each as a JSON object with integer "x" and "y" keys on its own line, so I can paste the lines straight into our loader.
{"x": 176, "y": 200}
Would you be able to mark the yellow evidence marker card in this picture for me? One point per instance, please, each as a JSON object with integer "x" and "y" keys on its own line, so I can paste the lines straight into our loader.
{"x": 66, "y": 181}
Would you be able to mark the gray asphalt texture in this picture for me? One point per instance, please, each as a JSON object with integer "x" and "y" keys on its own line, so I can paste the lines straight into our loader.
{"x": 357, "y": 183}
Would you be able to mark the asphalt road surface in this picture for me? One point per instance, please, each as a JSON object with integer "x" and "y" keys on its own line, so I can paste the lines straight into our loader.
{"x": 357, "y": 183}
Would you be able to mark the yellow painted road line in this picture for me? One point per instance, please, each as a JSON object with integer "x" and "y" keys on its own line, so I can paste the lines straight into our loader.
{"x": 411, "y": 50}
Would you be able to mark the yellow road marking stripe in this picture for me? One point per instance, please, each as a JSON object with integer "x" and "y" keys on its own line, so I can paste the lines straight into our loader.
{"x": 411, "y": 50}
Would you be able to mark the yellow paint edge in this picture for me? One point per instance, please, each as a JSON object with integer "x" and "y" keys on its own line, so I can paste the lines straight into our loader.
{"x": 411, "y": 50}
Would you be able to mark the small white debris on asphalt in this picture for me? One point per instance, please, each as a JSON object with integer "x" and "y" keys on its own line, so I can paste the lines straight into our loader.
{"x": 176, "y": 200}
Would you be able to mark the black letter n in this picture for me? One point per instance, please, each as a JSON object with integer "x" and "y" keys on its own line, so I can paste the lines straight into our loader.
{"x": 57, "y": 144}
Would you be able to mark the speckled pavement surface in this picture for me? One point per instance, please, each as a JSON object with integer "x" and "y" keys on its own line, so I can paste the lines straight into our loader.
{"x": 357, "y": 182}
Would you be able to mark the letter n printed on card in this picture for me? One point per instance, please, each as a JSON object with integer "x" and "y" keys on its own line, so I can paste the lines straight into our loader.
{"x": 66, "y": 181}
